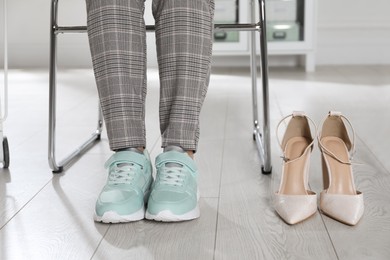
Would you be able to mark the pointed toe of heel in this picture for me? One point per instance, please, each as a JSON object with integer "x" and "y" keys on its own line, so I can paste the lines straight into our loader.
{"x": 347, "y": 209}
{"x": 295, "y": 208}
{"x": 294, "y": 202}
{"x": 340, "y": 200}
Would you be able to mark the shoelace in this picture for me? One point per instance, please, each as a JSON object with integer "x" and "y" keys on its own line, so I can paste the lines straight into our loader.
{"x": 122, "y": 173}
{"x": 173, "y": 176}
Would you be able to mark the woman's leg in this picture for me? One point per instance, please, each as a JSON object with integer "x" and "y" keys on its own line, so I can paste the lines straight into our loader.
{"x": 117, "y": 36}
{"x": 184, "y": 47}
{"x": 184, "y": 39}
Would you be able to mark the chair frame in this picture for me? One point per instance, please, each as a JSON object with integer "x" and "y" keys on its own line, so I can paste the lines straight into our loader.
{"x": 4, "y": 149}
{"x": 262, "y": 138}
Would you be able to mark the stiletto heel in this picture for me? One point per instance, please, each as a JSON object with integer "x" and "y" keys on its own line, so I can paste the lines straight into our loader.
{"x": 339, "y": 200}
{"x": 294, "y": 202}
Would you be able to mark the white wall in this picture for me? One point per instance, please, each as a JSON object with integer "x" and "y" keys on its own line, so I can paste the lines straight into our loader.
{"x": 28, "y": 30}
{"x": 349, "y": 32}
{"x": 353, "y": 32}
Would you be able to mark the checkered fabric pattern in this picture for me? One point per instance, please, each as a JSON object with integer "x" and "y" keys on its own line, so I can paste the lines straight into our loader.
{"x": 117, "y": 36}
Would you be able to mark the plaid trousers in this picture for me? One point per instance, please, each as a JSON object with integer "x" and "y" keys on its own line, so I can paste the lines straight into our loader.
{"x": 117, "y": 37}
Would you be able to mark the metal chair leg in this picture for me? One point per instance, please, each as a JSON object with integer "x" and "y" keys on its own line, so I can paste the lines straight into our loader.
{"x": 59, "y": 167}
{"x": 263, "y": 140}
{"x": 4, "y": 149}
{"x": 267, "y": 168}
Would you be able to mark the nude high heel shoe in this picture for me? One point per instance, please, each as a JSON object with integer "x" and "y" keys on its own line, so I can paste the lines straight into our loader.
{"x": 294, "y": 202}
{"x": 340, "y": 200}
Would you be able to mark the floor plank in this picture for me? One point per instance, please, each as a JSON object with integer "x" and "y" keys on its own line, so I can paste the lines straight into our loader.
{"x": 152, "y": 240}
{"x": 57, "y": 223}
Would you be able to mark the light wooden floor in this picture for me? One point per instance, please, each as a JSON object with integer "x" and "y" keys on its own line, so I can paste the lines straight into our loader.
{"x": 46, "y": 216}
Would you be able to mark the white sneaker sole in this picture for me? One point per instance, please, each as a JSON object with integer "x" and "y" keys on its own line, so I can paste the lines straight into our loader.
{"x": 168, "y": 216}
{"x": 113, "y": 217}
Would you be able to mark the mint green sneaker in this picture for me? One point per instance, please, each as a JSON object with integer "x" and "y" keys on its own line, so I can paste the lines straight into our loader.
{"x": 174, "y": 195}
{"x": 127, "y": 189}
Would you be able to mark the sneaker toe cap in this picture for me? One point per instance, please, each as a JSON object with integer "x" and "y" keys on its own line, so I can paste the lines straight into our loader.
{"x": 176, "y": 202}
{"x": 120, "y": 201}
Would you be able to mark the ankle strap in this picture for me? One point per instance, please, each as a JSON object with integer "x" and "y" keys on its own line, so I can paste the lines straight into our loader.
{"x": 325, "y": 150}
{"x": 176, "y": 157}
{"x": 295, "y": 114}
